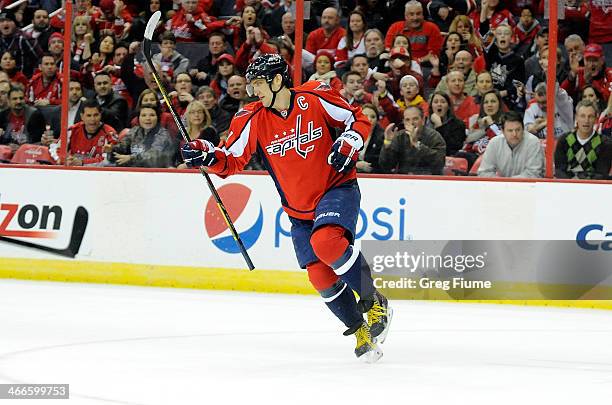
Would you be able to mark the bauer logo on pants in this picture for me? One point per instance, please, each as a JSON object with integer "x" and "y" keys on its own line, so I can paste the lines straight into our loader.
{"x": 246, "y": 213}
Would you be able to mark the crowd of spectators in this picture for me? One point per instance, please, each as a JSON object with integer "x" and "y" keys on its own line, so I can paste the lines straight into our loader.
{"x": 440, "y": 80}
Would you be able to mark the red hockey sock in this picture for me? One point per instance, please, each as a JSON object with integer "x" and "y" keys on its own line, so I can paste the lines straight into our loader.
{"x": 329, "y": 243}
{"x": 321, "y": 276}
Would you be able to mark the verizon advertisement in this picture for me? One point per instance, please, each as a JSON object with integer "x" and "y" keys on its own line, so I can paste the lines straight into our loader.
{"x": 171, "y": 218}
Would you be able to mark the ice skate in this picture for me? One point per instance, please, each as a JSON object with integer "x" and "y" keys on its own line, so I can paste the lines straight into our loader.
{"x": 379, "y": 316}
{"x": 365, "y": 349}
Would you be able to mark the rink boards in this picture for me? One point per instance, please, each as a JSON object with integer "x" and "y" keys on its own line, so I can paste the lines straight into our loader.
{"x": 162, "y": 228}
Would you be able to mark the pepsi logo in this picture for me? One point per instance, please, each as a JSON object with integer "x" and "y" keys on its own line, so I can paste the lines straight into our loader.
{"x": 246, "y": 214}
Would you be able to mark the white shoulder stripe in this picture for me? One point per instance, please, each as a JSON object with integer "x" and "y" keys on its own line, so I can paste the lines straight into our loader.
{"x": 237, "y": 148}
{"x": 339, "y": 114}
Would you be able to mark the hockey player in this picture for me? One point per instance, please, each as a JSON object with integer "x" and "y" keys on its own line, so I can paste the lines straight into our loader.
{"x": 315, "y": 175}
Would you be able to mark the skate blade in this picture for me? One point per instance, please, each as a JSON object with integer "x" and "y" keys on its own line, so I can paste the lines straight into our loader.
{"x": 383, "y": 335}
{"x": 372, "y": 356}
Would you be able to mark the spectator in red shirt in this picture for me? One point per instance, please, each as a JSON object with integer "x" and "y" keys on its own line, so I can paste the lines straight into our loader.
{"x": 425, "y": 37}
{"x": 329, "y": 35}
{"x": 492, "y": 14}
{"x": 87, "y": 138}
{"x": 84, "y": 8}
{"x": 401, "y": 65}
{"x": 191, "y": 24}
{"x": 225, "y": 70}
{"x": 115, "y": 19}
{"x": 45, "y": 87}
{"x": 8, "y": 64}
{"x": 594, "y": 72}
{"x": 464, "y": 106}
{"x": 524, "y": 33}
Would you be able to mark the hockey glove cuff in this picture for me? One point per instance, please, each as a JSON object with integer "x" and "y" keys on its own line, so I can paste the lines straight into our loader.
{"x": 198, "y": 153}
{"x": 345, "y": 152}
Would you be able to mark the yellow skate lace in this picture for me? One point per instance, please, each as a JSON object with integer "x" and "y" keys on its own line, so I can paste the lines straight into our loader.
{"x": 376, "y": 313}
{"x": 363, "y": 336}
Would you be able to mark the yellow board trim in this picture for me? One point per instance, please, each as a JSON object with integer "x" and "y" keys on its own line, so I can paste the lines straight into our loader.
{"x": 265, "y": 281}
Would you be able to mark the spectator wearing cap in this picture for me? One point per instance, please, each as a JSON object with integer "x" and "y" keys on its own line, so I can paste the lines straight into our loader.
{"x": 220, "y": 119}
{"x": 45, "y": 86}
{"x": 114, "y": 108}
{"x": 535, "y": 115}
{"x": 225, "y": 70}
{"x": 409, "y": 92}
{"x": 168, "y": 58}
{"x": 207, "y": 66}
{"x": 328, "y": 36}
{"x": 115, "y": 19}
{"x": 20, "y": 123}
{"x": 401, "y": 65}
{"x": 425, "y": 37}
{"x": 41, "y": 29}
{"x": 525, "y": 32}
{"x": 324, "y": 62}
{"x": 26, "y": 53}
{"x": 584, "y": 153}
{"x": 594, "y": 73}
{"x": 56, "y": 47}
{"x": 515, "y": 154}
{"x": 191, "y": 24}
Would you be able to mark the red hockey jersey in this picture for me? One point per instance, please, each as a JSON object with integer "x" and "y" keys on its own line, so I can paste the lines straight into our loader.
{"x": 294, "y": 144}
{"x": 90, "y": 149}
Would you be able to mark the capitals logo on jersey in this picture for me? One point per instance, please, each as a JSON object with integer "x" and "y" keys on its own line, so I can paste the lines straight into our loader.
{"x": 295, "y": 139}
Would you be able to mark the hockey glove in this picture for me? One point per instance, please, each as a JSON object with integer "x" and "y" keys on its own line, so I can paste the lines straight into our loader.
{"x": 198, "y": 153}
{"x": 345, "y": 152}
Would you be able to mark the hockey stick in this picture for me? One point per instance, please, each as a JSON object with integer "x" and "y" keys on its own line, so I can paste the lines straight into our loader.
{"x": 149, "y": 30}
{"x": 81, "y": 217}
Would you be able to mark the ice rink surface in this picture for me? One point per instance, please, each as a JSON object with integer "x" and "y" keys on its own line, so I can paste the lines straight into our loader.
{"x": 150, "y": 346}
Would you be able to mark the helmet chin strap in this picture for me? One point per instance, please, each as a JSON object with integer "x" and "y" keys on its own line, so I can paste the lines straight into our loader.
{"x": 274, "y": 93}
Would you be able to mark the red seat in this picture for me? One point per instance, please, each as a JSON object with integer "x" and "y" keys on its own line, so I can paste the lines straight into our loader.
{"x": 455, "y": 166}
{"x": 28, "y": 154}
{"x": 475, "y": 166}
{"x": 6, "y": 153}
